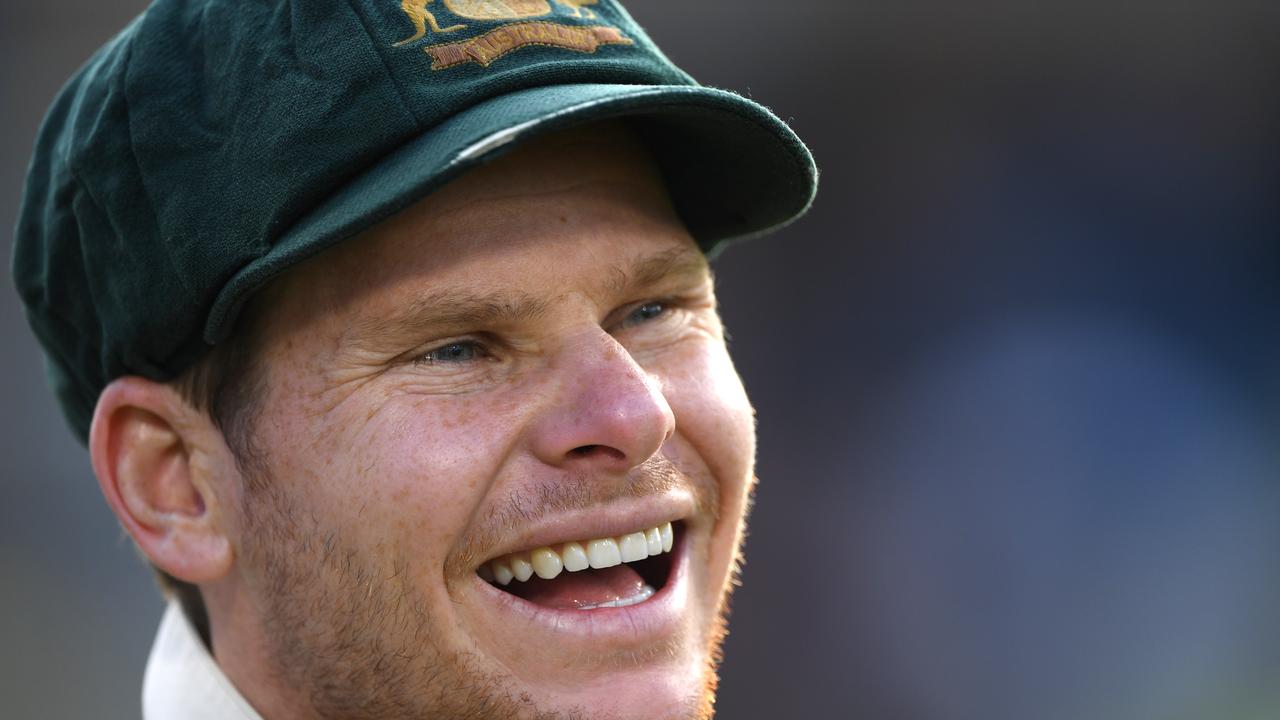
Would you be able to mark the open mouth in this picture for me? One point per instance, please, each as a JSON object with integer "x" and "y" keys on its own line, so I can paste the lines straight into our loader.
{"x": 608, "y": 572}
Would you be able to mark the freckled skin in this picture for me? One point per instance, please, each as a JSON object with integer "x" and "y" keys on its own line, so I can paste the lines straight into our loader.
{"x": 353, "y": 594}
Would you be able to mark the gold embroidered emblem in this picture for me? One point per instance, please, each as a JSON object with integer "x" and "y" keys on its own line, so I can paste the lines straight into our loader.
{"x": 492, "y": 45}
{"x": 487, "y": 47}
{"x": 578, "y": 7}
{"x": 421, "y": 17}
{"x": 498, "y": 9}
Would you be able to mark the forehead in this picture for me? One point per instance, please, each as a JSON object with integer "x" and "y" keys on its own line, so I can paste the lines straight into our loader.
{"x": 590, "y": 198}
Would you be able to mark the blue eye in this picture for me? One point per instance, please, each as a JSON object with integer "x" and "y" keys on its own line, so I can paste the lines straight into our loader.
{"x": 646, "y": 312}
{"x": 455, "y": 352}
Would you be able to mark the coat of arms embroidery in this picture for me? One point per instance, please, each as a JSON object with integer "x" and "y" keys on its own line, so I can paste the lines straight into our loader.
{"x": 422, "y": 18}
{"x": 508, "y": 37}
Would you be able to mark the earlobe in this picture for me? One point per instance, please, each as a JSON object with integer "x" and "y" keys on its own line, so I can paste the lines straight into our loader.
{"x": 143, "y": 444}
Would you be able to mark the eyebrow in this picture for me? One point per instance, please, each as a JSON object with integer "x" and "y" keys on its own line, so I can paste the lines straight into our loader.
{"x": 456, "y": 307}
{"x": 450, "y": 308}
{"x": 677, "y": 262}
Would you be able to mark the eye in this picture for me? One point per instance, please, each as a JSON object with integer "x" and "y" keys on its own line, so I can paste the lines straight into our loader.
{"x": 462, "y": 351}
{"x": 645, "y": 313}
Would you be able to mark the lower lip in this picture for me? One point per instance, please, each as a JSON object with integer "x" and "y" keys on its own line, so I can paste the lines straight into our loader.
{"x": 657, "y": 617}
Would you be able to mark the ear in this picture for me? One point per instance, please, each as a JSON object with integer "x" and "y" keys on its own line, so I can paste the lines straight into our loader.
{"x": 147, "y": 445}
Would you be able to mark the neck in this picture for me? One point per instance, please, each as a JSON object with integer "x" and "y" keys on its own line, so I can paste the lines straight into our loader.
{"x": 238, "y": 634}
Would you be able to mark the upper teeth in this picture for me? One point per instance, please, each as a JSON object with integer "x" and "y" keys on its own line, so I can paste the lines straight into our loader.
{"x": 548, "y": 562}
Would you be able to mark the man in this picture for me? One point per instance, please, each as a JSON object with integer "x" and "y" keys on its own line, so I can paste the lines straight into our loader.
{"x": 391, "y": 334}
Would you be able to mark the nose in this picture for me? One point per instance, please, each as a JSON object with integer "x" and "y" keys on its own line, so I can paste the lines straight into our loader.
{"x": 609, "y": 413}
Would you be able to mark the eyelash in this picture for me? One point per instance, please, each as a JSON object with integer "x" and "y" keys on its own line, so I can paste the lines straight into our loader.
{"x": 427, "y": 358}
{"x": 653, "y": 310}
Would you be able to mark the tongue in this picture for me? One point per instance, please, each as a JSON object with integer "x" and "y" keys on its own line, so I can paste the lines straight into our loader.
{"x": 583, "y": 589}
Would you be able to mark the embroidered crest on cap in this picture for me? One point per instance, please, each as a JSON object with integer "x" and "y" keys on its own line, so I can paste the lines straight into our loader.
{"x": 509, "y": 37}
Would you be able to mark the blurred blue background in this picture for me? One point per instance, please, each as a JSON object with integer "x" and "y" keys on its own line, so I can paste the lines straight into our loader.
{"x": 1018, "y": 373}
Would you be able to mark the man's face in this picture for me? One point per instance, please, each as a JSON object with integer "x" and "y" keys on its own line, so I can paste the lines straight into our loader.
{"x": 529, "y": 357}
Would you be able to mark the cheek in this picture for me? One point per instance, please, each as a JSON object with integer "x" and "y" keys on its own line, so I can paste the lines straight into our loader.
{"x": 713, "y": 415}
{"x": 405, "y": 471}
{"x": 716, "y": 425}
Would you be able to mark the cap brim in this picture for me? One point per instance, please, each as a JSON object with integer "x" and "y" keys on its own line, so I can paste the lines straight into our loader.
{"x": 733, "y": 169}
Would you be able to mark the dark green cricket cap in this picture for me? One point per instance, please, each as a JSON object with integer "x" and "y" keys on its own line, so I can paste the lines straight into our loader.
{"x": 215, "y": 143}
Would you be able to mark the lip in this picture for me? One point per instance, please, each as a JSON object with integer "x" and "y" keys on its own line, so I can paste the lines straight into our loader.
{"x": 609, "y": 520}
{"x": 656, "y": 617}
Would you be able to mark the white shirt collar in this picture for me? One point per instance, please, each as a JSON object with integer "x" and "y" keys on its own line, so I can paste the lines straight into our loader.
{"x": 183, "y": 682}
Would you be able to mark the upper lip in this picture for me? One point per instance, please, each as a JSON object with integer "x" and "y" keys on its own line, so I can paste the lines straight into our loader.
{"x": 608, "y": 520}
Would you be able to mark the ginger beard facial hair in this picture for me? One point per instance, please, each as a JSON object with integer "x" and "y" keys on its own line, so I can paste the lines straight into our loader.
{"x": 350, "y": 630}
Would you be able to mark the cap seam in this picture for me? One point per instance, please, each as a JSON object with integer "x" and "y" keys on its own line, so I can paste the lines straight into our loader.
{"x": 190, "y": 299}
{"x": 419, "y": 126}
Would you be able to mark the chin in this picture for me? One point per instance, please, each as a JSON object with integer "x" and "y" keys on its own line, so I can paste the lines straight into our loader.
{"x": 640, "y": 693}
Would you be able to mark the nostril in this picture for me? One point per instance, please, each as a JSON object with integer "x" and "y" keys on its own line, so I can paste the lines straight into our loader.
{"x": 586, "y": 451}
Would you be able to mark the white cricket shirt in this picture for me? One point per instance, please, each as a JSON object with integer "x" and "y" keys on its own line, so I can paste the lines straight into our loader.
{"x": 183, "y": 682}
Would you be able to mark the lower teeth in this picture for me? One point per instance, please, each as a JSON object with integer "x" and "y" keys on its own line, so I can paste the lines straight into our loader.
{"x": 639, "y": 597}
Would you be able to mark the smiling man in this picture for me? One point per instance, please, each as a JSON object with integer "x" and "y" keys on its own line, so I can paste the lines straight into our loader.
{"x": 391, "y": 333}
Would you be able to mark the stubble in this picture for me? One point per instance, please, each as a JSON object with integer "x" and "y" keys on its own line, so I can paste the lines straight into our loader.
{"x": 351, "y": 636}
